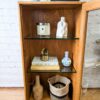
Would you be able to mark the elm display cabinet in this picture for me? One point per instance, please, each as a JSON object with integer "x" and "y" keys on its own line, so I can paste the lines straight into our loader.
{"x": 76, "y": 14}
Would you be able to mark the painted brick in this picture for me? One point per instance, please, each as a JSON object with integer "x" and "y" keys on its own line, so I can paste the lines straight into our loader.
{"x": 10, "y": 51}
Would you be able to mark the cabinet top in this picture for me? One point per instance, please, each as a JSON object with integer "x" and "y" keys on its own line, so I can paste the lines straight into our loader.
{"x": 50, "y": 3}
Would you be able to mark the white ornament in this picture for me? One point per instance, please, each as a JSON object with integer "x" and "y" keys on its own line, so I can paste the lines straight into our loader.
{"x": 62, "y": 28}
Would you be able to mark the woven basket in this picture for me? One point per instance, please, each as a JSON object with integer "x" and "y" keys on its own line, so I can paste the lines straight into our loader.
{"x": 59, "y": 92}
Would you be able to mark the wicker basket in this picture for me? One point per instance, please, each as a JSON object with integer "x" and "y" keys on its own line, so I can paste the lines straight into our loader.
{"x": 60, "y": 91}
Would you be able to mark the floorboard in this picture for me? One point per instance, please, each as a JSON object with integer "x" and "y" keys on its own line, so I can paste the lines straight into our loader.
{"x": 18, "y": 94}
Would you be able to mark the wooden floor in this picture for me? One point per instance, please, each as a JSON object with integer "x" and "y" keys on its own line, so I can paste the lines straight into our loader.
{"x": 91, "y": 94}
{"x": 18, "y": 94}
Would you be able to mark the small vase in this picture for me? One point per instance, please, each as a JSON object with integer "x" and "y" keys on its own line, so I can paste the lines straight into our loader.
{"x": 38, "y": 89}
{"x": 66, "y": 61}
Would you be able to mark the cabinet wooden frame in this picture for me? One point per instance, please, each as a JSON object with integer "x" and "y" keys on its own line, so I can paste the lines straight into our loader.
{"x": 86, "y": 7}
{"x": 76, "y": 47}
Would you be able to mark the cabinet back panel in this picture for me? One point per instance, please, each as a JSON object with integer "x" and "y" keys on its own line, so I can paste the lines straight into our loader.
{"x": 55, "y": 47}
{"x": 32, "y": 17}
{"x": 44, "y": 78}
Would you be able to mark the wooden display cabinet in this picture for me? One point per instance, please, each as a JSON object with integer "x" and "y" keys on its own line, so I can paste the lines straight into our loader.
{"x": 76, "y": 16}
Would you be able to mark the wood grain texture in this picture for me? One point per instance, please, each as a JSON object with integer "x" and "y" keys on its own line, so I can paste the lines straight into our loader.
{"x": 12, "y": 94}
{"x": 93, "y": 5}
{"x": 80, "y": 56}
{"x": 83, "y": 28}
{"x": 25, "y": 57}
{"x": 55, "y": 5}
{"x": 55, "y": 47}
{"x": 76, "y": 16}
{"x": 49, "y": 3}
{"x": 21, "y": 42}
{"x": 76, "y": 50}
{"x": 18, "y": 94}
{"x": 50, "y": 16}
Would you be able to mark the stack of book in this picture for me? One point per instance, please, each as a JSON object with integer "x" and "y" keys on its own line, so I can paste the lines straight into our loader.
{"x": 39, "y": 65}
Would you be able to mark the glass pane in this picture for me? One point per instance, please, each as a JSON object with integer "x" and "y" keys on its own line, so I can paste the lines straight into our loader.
{"x": 70, "y": 69}
{"x": 36, "y": 37}
{"x": 91, "y": 75}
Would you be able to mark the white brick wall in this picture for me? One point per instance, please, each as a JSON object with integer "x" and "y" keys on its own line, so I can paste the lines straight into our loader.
{"x": 10, "y": 52}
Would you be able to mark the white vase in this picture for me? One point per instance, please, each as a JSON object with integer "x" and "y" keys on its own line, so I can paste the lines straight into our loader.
{"x": 62, "y": 28}
{"x": 66, "y": 61}
{"x": 38, "y": 89}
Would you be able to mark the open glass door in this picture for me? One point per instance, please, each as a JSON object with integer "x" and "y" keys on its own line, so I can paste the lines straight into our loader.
{"x": 91, "y": 28}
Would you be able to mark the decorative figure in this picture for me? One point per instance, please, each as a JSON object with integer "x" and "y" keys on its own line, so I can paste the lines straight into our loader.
{"x": 62, "y": 28}
{"x": 44, "y": 54}
{"x": 38, "y": 89}
{"x": 66, "y": 61}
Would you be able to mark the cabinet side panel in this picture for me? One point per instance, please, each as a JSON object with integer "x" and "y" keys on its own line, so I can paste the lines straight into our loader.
{"x": 78, "y": 51}
{"x": 26, "y": 89}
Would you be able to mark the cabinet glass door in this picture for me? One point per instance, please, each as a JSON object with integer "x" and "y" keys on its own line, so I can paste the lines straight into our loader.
{"x": 91, "y": 70}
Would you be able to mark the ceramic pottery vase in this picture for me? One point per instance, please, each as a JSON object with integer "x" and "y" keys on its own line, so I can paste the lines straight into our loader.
{"x": 38, "y": 89}
{"x": 62, "y": 28}
{"x": 66, "y": 61}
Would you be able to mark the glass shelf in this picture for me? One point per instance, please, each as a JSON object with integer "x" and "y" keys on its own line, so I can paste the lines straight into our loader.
{"x": 37, "y": 37}
{"x": 62, "y": 70}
